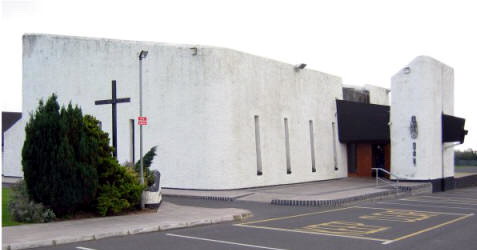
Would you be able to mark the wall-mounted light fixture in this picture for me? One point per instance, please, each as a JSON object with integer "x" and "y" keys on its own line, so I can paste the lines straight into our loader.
{"x": 406, "y": 70}
{"x": 299, "y": 67}
{"x": 194, "y": 51}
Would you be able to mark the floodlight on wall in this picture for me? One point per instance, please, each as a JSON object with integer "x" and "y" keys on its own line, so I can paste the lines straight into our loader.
{"x": 142, "y": 54}
{"x": 300, "y": 66}
{"x": 406, "y": 70}
{"x": 194, "y": 51}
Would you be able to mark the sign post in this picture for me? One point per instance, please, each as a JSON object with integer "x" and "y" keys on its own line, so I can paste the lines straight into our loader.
{"x": 142, "y": 55}
{"x": 142, "y": 121}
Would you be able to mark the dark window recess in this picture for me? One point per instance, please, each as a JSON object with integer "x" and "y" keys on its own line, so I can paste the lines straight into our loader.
{"x": 258, "y": 149}
{"x": 312, "y": 147}
{"x": 356, "y": 95}
{"x": 287, "y": 146}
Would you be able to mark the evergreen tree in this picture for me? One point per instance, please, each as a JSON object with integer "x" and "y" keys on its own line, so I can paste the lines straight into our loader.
{"x": 147, "y": 162}
{"x": 118, "y": 186}
{"x": 54, "y": 159}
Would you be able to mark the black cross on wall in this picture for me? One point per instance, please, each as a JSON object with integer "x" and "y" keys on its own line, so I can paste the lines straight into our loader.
{"x": 113, "y": 101}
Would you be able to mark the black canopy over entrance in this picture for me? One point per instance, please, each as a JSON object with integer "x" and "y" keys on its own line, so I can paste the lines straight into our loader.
{"x": 368, "y": 123}
{"x": 362, "y": 122}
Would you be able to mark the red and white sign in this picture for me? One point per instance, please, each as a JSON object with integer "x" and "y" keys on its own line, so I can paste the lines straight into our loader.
{"x": 142, "y": 120}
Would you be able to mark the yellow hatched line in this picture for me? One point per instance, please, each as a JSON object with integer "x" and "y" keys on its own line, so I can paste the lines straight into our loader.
{"x": 293, "y": 216}
{"x": 314, "y": 233}
{"x": 422, "y": 211}
{"x": 427, "y": 229}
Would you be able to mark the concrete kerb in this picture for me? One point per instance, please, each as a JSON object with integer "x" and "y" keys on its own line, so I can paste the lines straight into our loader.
{"x": 124, "y": 232}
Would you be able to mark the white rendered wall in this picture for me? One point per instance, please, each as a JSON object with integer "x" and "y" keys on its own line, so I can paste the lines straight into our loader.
{"x": 200, "y": 108}
{"x": 425, "y": 89}
{"x": 377, "y": 95}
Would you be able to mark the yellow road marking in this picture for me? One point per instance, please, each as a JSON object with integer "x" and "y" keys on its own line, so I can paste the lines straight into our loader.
{"x": 384, "y": 241}
{"x": 314, "y": 233}
{"x": 399, "y": 215}
{"x": 422, "y": 211}
{"x": 345, "y": 228}
{"x": 428, "y": 229}
{"x": 293, "y": 216}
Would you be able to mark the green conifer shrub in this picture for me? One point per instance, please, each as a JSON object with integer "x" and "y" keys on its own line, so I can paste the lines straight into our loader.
{"x": 52, "y": 157}
{"x": 68, "y": 164}
{"x": 147, "y": 162}
{"x": 119, "y": 188}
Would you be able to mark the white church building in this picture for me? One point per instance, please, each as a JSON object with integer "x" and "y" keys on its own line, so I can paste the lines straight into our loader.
{"x": 224, "y": 119}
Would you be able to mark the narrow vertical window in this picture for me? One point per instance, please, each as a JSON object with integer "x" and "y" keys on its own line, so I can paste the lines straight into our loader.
{"x": 257, "y": 145}
{"x": 312, "y": 147}
{"x": 334, "y": 146}
{"x": 287, "y": 146}
{"x": 131, "y": 136}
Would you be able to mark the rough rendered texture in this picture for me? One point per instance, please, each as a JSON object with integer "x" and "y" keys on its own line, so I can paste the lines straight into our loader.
{"x": 377, "y": 95}
{"x": 423, "y": 89}
{"x": 200, "y": 108}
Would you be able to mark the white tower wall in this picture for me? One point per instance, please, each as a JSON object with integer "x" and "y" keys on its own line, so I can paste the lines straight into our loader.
{"x": 423, "y": 89}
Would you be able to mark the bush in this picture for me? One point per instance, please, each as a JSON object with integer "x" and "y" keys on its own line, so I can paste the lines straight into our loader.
{"x": 147, "y": 162}
{"x": 119, "y": 188}
{"x": 121, "y": 193}
{"x": 23, "y": 209}
{"x": 68, "y": 164}
{"x": 56, "y": 161}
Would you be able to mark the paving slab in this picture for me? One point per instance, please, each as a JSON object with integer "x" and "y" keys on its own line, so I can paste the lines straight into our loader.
{"x": 168, "y": 216}
{"x": 321, "y": 193}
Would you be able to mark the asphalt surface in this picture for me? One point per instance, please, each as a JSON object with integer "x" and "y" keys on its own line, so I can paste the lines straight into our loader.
{"x": 467, "y": 169}
{"x": 433, "y": 221}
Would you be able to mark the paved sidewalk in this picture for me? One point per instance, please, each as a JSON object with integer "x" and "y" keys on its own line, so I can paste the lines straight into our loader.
{"x": 320, "y": 193}
{"x": 169, "y": 216}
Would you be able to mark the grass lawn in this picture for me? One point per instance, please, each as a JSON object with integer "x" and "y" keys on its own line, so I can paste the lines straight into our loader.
{"x": 6, "y": 218}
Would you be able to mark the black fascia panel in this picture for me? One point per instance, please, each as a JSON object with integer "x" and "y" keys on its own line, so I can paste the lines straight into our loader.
{"x": 453, "y": 129}
{"x": 362, "y": 123}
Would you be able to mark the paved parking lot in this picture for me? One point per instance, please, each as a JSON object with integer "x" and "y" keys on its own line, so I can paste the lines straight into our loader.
{"x": 386, "y": 225}
{"x": 434, "y": 221}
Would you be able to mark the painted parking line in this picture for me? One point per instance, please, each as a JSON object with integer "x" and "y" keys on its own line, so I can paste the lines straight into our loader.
{"x": 312, "y": 233}
{"x": 437, "y": 201}
{"x": 223, "y": 242}
{"x": 441, "y": 197}
{"x": 85, "y": 248}
{"x": 385, "y": 225}
{"x": 251, "y": 224}
{"x": 437, "y": 213}
{"x": 457, "y": 196}
{"x": 423, "y": 205}
{"x": 428, "y": 229}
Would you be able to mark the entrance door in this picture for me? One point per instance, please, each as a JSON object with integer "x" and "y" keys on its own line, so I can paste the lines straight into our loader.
{"x": 363, "y": 157}
{"x": 379, "y": 161}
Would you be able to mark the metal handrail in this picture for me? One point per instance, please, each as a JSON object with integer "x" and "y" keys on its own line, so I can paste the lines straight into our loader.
{"x": 395, "y": 185}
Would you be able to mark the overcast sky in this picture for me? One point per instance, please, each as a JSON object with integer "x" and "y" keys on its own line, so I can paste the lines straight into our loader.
{"x": 364, "y": 42}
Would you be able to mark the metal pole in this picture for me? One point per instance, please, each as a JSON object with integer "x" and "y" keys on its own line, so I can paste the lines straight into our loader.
{"x": 140, "y": 127}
